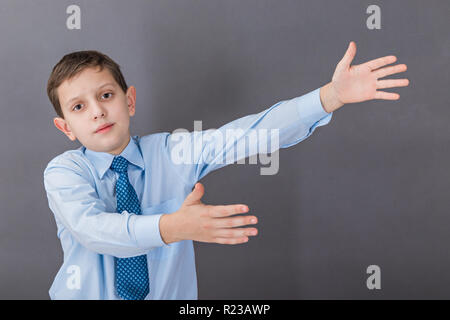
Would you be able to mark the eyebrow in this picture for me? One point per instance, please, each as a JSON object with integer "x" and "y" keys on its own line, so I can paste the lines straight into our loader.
{"x": 75, "y": 98}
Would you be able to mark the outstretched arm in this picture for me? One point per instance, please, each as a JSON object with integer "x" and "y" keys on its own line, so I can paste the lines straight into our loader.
{"x": 294, "y": 119}
{"x": 350, "y": 84}
{"x": 358, "y": 83}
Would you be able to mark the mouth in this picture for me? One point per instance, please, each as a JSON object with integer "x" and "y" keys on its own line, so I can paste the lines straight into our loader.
{"x": 104, "y": 128}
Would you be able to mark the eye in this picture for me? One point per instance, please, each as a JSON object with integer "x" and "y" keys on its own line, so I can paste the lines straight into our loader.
{"x": 107, "y": 93}
{"x": 75, "y": 107}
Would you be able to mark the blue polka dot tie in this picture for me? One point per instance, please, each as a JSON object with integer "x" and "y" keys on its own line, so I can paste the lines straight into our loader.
{"x": 131, "y": 273}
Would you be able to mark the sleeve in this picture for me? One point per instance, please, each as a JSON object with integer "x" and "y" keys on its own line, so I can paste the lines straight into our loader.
{"x": 75, "y": 203}
{"x": 286, "y": 123}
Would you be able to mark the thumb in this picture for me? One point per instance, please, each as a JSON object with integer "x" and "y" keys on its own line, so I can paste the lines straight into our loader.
{"x": 196, "y": 194}
{"x": 349, "y": 55}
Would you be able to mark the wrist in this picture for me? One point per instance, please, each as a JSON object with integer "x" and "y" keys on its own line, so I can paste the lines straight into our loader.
{"x": 329, "y": 98}
{"x": 168, "y": 228}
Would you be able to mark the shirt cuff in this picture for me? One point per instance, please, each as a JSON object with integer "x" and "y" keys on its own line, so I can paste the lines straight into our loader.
{"x": 146, "y": 231}
{"x": 311, "y": 110}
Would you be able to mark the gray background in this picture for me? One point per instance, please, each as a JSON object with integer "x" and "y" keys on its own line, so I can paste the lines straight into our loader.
{"x": 371, "y": 187}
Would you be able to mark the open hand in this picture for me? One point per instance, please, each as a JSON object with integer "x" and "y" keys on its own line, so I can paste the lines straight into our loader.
{"x": 208, "y": 223}
{"x": 361, "y": 82}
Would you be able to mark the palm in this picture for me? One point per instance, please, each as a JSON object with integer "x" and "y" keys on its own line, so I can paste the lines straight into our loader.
{"x": 361, "y": 82}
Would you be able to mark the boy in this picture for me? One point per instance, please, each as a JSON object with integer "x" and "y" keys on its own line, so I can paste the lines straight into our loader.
{"x": 124, "y": 210}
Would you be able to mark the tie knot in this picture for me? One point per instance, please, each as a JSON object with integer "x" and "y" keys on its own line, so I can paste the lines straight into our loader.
{"x": 119, "y": 164}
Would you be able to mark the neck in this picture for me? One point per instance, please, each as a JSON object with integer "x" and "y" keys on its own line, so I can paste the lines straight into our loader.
{"x": 121, "y": 148}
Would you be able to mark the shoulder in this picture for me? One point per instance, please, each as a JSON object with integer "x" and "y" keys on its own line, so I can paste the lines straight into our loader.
{"x": 70, "y": 160}
{"x": 68, "y": 169}
{"x": 152, "y": 139}
{"x": 152, "y": 142}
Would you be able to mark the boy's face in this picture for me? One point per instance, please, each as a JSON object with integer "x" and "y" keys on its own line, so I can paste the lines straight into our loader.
{"x": 90, "y": 100}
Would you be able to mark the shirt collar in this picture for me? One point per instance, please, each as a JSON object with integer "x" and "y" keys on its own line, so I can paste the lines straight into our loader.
{"x": 102, "y": 160}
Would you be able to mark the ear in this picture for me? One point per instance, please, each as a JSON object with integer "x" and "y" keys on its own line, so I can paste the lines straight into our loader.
{"x": 131, "y": 100}
{"x": 62, "y": 125}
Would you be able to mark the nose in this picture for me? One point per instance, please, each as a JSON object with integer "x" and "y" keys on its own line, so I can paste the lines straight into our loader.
{"x": 98, "y": 111}
{"x": 101, "y": 115}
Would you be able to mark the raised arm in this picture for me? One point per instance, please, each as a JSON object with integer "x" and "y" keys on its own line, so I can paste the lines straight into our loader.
{"x": 291, "y": 121}
{"x": 195, "y": 154}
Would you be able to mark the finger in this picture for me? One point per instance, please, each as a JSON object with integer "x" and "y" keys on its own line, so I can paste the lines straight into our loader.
{"x": 235, "y": 232}
{"x": 386, "y": 95}
{"x": 380, "y": 62}
{"x": 195, "y": 195}
{"x": 234, "y": 222}
{"x": 383, "y": 72}
{"x": 227, "y": 210}
{"x": 392, "y": 83}
{"x": 231, "y": 240}
{"x": 349, "y": 55}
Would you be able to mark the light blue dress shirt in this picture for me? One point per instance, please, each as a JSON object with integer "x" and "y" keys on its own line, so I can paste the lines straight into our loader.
{"x": 80, "y": 187}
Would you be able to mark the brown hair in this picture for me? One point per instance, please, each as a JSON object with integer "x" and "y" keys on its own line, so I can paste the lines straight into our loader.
{"x": 72, "y": 64}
